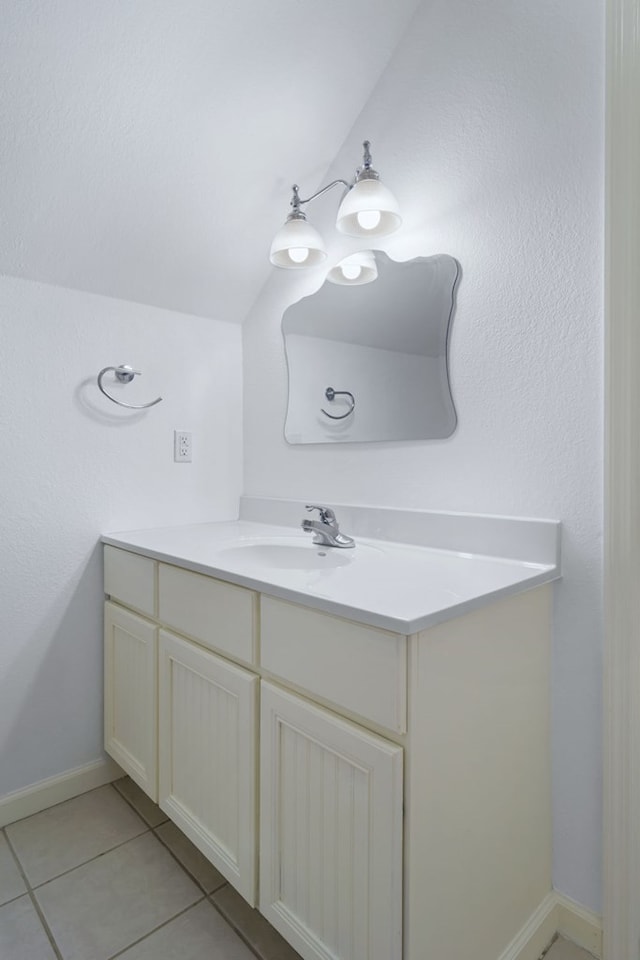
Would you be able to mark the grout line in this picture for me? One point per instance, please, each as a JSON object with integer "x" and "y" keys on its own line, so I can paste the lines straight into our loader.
{"x": 91, "y": 859}
{"x": 59, "y": 803}
{"x": 30, "y": 891}
{"x": 147, "y": 828}
{"x": 46, "y": 926}
{"x": 13, "y": 899}
{"x": 155, "y": 929}
{"x": 64, "y": 873}
{"x": 20, "y": 871}
{"x": 130, "y": 803}
{"x": 238, "y": 929}
{"x": 34, "y": 902}
{"x": 204, "y": 895}
{"x": 154, "y": 831}
{"x": 181, "y": 864}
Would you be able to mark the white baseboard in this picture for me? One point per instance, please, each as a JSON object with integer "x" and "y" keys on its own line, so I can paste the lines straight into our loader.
{"x": 537, "y": 933}
{"x": 46, "y": 793}
{"x": 579, "y": 924}
{"x": 556, "y": 914}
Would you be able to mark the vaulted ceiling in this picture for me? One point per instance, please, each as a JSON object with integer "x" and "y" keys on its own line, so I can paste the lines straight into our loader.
{"x": 147, "y": 148}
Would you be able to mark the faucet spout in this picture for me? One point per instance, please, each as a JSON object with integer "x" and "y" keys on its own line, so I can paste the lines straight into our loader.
{"x": 326, "y": 530}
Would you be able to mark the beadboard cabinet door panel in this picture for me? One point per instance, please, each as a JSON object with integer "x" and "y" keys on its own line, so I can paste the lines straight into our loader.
{"x": 331, "y": 832}
{"x": 130, "y": 700}
{"x": 208, "y": 756}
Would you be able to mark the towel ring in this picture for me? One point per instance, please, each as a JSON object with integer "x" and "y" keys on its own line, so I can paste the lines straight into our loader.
{"x": 330, "y": 394}
{"x": 124, "y": 374}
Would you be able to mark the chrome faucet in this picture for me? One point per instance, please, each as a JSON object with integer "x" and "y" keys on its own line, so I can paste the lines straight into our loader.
{"x": 326, "y": 529}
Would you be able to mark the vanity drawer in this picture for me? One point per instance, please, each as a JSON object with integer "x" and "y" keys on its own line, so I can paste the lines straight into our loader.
{"x": 357, "y": 667}
{"x": 219, "y": 615}
{"x": 130, "y": 579}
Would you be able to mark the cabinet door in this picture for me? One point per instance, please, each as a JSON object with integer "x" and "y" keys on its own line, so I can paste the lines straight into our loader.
{"x": 130, "y": 671}
{"x": 208, "y": 757}
{"x": 331, "y": 832}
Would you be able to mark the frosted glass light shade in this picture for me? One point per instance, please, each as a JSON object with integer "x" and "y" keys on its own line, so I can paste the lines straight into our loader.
{"x": 357, "y": 215}
{"x": 354, "y": 270}
{"x": 297, "y": 245}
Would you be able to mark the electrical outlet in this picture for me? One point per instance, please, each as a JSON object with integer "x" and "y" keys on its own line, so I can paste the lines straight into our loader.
{"x": 182, "y": 446}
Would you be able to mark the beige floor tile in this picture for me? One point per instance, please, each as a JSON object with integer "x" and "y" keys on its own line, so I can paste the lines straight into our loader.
{"x": 260, "y": 935}
{"x": 22, "y": 936}
{"x": 200, "y": 932}
{"x": 565, "y": 950}
{"x": 148, "y": 810}
{"x": 11, "y": 883}
{"x": 108, "y": 904}
{"x": 62, "y": 837}
{"x": 190, "y": 857}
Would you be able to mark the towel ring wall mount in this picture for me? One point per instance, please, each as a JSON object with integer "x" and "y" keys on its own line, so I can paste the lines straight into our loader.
{"x": 331, "y": 394}
{"x": 124, "y": 374}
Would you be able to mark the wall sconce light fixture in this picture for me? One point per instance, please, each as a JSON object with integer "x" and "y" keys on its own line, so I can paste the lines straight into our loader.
{"x": 368, "y": 209}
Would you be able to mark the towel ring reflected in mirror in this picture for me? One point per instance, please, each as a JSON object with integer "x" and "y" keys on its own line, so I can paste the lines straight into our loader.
{"x": 331, "y": 394}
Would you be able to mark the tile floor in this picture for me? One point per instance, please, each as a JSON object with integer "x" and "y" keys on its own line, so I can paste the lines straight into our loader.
{"x": 106, "y": 875}
{"x": 564, "y": 950}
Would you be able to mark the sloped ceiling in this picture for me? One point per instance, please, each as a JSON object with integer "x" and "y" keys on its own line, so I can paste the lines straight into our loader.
{"x": 147, "y": 148}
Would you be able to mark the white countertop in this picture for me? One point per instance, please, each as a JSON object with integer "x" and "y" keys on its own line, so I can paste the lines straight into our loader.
{"x": 394, "y": 586}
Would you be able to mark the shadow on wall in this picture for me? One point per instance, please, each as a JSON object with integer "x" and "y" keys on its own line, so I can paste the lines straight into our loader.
{"x": 57, "y": 672}
{"x": 92, "y": 404}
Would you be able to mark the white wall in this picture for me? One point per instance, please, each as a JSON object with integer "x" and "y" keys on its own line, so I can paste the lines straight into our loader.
{"x": 488, "y": 126}
{"x": 73, "y": 466}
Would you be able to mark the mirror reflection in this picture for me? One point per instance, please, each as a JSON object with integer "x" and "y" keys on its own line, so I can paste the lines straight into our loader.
{"x": 369, "y": 361}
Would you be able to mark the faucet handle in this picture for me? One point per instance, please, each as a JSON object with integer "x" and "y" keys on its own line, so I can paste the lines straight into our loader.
{"x": 326, "y": 513}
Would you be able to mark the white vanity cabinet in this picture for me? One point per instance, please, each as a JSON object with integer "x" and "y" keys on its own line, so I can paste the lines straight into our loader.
{"x": 327, "y": 824}
{"x": 379, "y": 796}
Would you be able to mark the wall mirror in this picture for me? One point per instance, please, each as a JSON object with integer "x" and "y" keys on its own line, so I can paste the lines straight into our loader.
{"x": 370, "y": 361}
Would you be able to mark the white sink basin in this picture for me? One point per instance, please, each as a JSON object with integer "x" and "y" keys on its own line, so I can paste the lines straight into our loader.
{"x": 291, "y": 553}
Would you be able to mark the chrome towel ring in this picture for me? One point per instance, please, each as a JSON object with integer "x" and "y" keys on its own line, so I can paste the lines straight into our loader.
{"x": 331, "y": 394}
{"x": 124, "y": 374}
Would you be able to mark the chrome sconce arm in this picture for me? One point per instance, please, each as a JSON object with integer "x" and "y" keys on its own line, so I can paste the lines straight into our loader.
{"x": 296, "y": 199}
{"x": 368, "y": 209}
